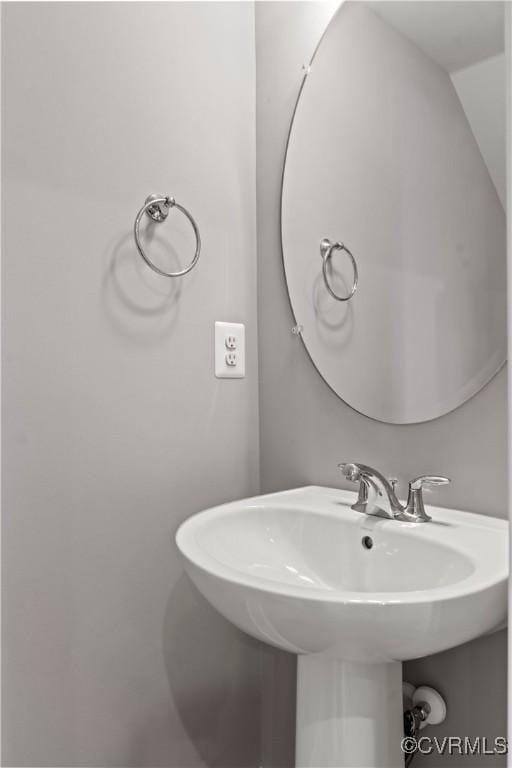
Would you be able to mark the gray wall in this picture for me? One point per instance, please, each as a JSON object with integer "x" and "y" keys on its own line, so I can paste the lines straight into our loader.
{"x": 305, "y": 429}
{"x": 115, "y": 428}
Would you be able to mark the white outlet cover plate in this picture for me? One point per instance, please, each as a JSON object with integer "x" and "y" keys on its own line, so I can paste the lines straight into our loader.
{"x": 222, "y": 332}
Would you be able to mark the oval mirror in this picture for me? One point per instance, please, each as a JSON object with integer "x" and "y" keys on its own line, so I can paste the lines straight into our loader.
{"x": 397, "y": 152}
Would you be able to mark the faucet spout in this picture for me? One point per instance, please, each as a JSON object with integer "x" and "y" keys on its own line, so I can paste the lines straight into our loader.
{"x": 376, "y": 494}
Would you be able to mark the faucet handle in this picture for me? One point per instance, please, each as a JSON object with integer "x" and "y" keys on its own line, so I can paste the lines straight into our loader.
{"x": 356, "y": 474}
{"x": 350, "y": 470}
{"x": 415, "y": 510}
{"x": 419, "y": 482}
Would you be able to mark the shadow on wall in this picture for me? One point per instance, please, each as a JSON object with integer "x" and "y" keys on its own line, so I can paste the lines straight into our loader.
{"x": 132, "y": 292}
{"x": 208, "y": 663}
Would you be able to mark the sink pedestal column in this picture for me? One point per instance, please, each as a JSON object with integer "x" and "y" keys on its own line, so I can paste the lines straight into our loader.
{"x": 349, "y": 714}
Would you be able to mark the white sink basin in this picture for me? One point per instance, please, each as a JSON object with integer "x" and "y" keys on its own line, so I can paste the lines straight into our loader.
{"x": 294, "y": 570}
{"x": 291, "y": 569}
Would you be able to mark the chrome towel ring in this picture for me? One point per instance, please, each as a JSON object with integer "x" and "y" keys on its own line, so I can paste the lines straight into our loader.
{"x": 157, "y": 208}
{"x": 326, "y": 249}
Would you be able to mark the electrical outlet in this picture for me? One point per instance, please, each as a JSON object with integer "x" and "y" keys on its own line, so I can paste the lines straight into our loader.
{"x": 229, "y": 350}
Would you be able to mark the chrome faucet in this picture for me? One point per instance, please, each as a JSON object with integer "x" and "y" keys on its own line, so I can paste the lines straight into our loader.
{"x": 377, "y": 495}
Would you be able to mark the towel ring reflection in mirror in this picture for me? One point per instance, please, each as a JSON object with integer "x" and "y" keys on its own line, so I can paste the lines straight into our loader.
{"x": 326, "y": 249}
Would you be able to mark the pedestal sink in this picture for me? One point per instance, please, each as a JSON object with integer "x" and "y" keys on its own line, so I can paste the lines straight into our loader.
{"x": 353, "y": 596}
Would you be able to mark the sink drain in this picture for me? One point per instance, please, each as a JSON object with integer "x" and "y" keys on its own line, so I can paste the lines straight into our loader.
{"x": 367, "y": 542}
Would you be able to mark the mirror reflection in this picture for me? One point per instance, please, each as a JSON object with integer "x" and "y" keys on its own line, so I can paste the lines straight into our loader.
{"x": 393, "y": 206}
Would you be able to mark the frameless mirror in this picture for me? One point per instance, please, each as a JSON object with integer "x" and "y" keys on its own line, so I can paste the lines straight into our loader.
{"x": 397, "y": 151}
